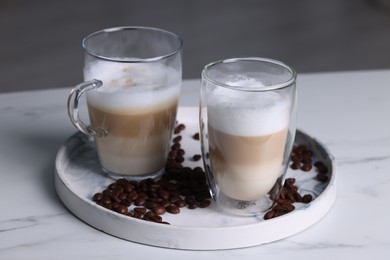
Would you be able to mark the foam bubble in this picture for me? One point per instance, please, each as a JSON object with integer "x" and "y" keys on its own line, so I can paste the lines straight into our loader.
{"x": 132, "y": 85}
{"x": 248, "y": 113}
{"x": 244, "y": 81}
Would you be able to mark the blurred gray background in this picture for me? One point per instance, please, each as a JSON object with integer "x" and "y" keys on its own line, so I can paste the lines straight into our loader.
{"x": 41, "y": 40}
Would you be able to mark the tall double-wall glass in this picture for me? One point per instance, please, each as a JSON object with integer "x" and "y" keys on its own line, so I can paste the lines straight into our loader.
{"x": 247, "y": 121}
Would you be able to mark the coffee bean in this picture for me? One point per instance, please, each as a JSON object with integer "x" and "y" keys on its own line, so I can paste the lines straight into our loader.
{"x": 140, "y": 210}
{"x": 181, "y": 203}
{"x": 122, "y": 181}
{"x": 190, "y": 199}
{"x": 298, "y": 197}
{"x": 173, "y": 209}
{"x": 196, "y": 157}
{"x": 179, "y": 128}
{"x": 150, "y": 204}
{"x": 295, "y": 165}
{"x": 170, "y": 186}
{"x": 165, "y": 203}
{"x": 177, "y": 139}
{"x": 196, "y": 136}
{"x": 156, "y": 218}
{"x": 106, "y": 200}
{"x": 290, "y": 197}
{"x": 137, "y": 215}
{"x": 179, "y": 159}
{"x": 159, "y": 210}
{"x": 307, "y": 198}
{"x": 121, "y": 209}
{"x": 133, "y": 195}
{"x": 204, "y": 203}
{"x": 112, "y": 186}
{"x": 122, "y": 196}
{"x": 285, "y": 207}
{"x": 150, "y": 214}
{"x": 115, "y": 205}
{"x": 289, "y": 182}
{"x": 321, "y": 167}
{"x": 181, "y": 152}
{"x": 306, "y": 167}
{"x": 107, "y": 193}
{"x": 322, "y": 177}
{"x": 97, "y": 197}
{"x": 193, "y": 205}
{"x": 175, "y": 146}
{"x": 140, "y": 201}
{"x": 174, "y": 198}
{"x": 270, "y": 214}
{"x": 163, "y": 194}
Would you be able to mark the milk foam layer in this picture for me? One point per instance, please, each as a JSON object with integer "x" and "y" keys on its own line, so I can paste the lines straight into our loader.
{"x": 248, "y": 113}
{"x": 132, "y": 85}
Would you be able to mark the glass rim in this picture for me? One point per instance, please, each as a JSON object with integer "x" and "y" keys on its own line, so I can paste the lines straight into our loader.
{"x": 285, "y": 84}
{"x": 132, "y": 60}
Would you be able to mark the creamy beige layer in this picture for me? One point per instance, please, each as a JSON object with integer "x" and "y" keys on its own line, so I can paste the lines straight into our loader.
{"x": 246, "y": 168}
{"x": 138, "y": 141}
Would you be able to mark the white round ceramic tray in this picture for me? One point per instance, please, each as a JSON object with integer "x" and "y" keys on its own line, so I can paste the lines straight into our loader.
{"x": 78, "y": 177}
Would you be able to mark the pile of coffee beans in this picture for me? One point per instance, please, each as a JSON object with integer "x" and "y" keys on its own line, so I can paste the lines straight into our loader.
{"x": 148, "y": 199}
{"x": 301, "y": 158}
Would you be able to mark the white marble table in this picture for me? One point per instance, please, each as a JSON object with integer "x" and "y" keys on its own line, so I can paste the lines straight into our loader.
{"x": 349, "y": 112}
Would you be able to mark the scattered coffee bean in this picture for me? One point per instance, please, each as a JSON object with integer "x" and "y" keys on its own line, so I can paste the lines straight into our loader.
{"x": 179, "y": 128}
{"x": 196, "y": 157}
{"x": 196, "y": 136}
{"x": 307, "y": 198}
{"x": 321, "y": 167}
{"x": 322, "y": 177}
{"x": 270, "y": 214}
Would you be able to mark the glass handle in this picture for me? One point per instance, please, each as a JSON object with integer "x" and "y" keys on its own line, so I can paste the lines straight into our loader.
{"x": 73, "y": 107}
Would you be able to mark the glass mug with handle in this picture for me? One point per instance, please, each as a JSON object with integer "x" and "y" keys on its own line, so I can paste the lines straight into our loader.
{"x": 247, "y": 123}
{"x": 132, "y": 84}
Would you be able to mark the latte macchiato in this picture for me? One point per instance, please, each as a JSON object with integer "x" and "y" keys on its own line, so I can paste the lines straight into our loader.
{"x": 247, "y": 143}
{"x": 136, "y": 107}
